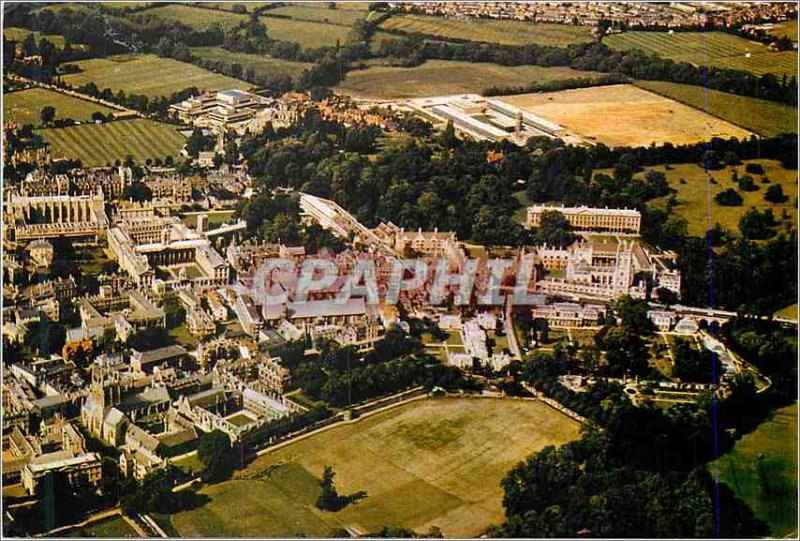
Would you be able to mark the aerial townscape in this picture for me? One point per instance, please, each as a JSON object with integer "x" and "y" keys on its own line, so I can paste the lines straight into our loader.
{"x": 400, "y": 269}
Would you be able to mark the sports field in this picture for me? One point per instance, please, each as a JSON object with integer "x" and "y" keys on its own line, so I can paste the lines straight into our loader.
{"x": 24, "y": 106}
{"x": 760, "y": 116}
{"x": 100, "y": 144}
{"x": 320, "y": 13}
{"x": 694, "y": 195}
{"x": 149, "y": 75}
{"x": 195, "y": 17}
{"x": 762, "y": 470}
{"x": 427, "y": 463}
{"x": 19, "y": 34}
{"x": 261, "y": 64}
{"x": 505, "y": 32}
{"x": 716, "y": 49}
{"x": 309, "y": 35}
{"x": 624, "y": 115}
{"x": 437, "y": 77}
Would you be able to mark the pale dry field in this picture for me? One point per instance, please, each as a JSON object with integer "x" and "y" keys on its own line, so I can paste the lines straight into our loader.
{"x": 422, "y": 464}
{"x": 624, "y": 115}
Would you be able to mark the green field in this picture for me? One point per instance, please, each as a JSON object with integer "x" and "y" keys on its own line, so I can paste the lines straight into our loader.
{"x": 437, "y": 77}
{"x": 505, "y": 32}
{"x": 772, "y": 492}
{"x": 99, "y": 144}
{"x": 694, "y": 195}
{"x": 716, "y": 49}
{"x": 789, "y": 312}
{"x": 786, "y": 28}
{"x": 112, "y": 527}
{"x": 430, "y": 462}
{"x": 195, "y": 17}
{"x": 24, "y": 106}
{"x": 320, "y": 13}
{"x": 760, "y": 116}
{"x": 124, "y": 5}
{"x": 19, "y": 34}
{"x": 262, "y": 65}
{"x": 309, "y": 35}
{"x": 149, "y": 75}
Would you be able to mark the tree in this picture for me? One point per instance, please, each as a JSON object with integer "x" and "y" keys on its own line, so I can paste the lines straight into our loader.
{"x": 554, "y": 230}
{"x": 774, "y": 194}
{"x": 47, "y": 114}
{"x": 329, "y": 499}
{"x": 138, "y": 192}
{"x": 756, "y": 225}
{"x": 747, "y": 184}
{"x": 633, "y": 313}
{"x": 214, "y": 451}
{"x": 97, "y": 116}
{"x": 729, "y": 198}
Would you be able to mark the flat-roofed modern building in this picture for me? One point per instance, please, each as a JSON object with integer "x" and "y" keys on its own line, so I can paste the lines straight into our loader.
{"x": 590, "y": 219}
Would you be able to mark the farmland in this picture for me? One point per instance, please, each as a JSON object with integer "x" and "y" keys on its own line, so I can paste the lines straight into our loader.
{"x": 19, "y": 34}
{"x": 195, "y": 17}
{"x": 786, "y": 28}
{"x": 716, "y": 49}
{"x": 149, "y": 75}
{"x": 99, "y": 144}
{"x": 696, "y": 191}
{"x": 763, "y": 117}
{"x": 262, "y": 65}
{"x": 309, "y": 35}
{"x": 24, "y": 106}
{"x": 505, "y": 32}
{"x": 640, "y": 117}
{"x": 762, "y": 470}
{"x": 427, "y": 463}
{"x": 436, "y": 77}
{"x": 320, "y": 13}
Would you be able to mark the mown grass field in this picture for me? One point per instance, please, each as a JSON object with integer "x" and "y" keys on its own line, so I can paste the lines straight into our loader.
{"x": 716, "y": 49}
{"x": 19, "y": 34}
{"x": 762, "y": 470}
{"x": 624, "y": 115}
{"x": 506, "y": 32}
{"x": 436, "y": 77}
{"x": 430, "y": 462}
{"x": 789, "y": 312}
{"x": 261, "y": 64}
{"x": 786, "y": 28}
{"x": 697, "y": 191}
{"x": 760, "y": 116}
{"x": 309, "y": 35}
{"x": 112, "y": 527}
{"x": 24, "y": 106}
{"x": 195, "y": 17}
{"x": 124, "y": 5}
{"x": 320, "y": 13}
{"x": 99, "y": 144}
{"x": 149, "y": 75}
